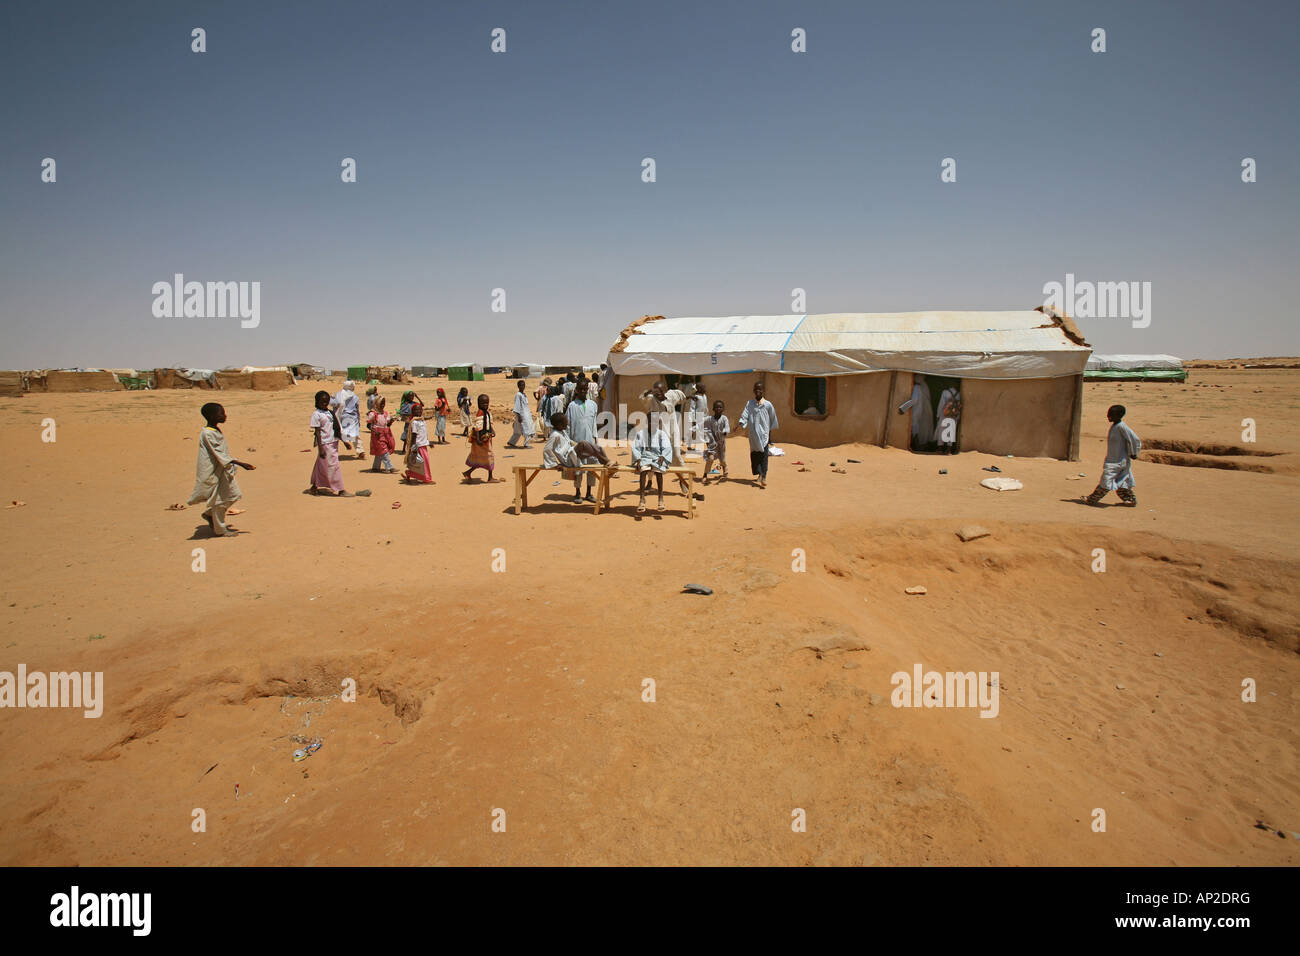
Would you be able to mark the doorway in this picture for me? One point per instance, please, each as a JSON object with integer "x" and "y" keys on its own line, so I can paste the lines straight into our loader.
{"x": 933, "y": 434}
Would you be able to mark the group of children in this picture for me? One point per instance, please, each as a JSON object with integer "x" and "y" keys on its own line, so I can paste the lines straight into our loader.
{"x": 572, "y": 442}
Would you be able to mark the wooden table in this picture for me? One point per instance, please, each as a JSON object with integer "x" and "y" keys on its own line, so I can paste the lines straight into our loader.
{"x": 524, "y": 475}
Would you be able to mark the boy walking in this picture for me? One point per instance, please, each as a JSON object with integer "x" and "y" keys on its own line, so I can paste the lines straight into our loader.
{"x": 1122, "y": 446}
{"x": 215, "y": 482}
{"x": 759, "y": 419}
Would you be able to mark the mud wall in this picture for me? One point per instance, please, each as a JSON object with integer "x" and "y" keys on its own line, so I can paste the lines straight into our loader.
{"x": 1028, "y": 418}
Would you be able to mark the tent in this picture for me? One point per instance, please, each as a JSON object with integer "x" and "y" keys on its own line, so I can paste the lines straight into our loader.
{"x": 840, "y": 377}
{"x": 387, "y": 374}
{"x": 305, "y": 372}
{"x": 465, "y": 372}
{"x": 527, "y": 370}
{"x": 1142, "y": 368}
{"x": 184, "y": 378}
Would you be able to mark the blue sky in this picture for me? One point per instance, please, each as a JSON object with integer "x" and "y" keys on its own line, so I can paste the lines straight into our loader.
{"x": 522, "y": 171}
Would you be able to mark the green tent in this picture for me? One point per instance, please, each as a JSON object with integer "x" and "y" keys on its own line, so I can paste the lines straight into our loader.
{"x": 465, "y": 373}
{"x": 358, "y": 372}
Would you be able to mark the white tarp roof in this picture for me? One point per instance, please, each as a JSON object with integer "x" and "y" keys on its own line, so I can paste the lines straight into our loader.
{"x": 1134, "y": 363}
{"x": 992, "y": 345}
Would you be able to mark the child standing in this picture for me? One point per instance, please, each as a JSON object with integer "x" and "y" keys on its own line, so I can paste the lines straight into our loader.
{"x": 652, "y": 453}
{"x": 381, "y": 436}
{"x": 214, "y": 482}
{"x": 326, "y": 476}
{"x": 715, "y": 429}
{"x": 418, "y": 471}
{"x": 464, "y": 404}
{"x": 1122, "y": 446}
{"x": 441, "y": 409}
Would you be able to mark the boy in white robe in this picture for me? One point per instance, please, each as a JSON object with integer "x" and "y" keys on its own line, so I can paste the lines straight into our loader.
{"x": 561, "y": 451}
{"x": 664, "y": 403}
{"x": 523, "y": 419}
{"x": 1122, "y": 446}
{"x": 215, "y": 482}
{"x": 759, "y": 419}
{"x": 652, "y": 453}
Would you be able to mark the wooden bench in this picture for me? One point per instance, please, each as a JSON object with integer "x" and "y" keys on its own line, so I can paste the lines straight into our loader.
{"x": 524, "y": 475}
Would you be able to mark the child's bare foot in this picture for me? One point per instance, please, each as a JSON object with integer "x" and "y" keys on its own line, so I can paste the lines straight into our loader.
{"x": 762, "y": 482}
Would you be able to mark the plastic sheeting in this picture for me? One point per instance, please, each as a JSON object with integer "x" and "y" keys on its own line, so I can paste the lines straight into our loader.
{"x": 1134, "y": 363}
{"x": 990, "y": 345}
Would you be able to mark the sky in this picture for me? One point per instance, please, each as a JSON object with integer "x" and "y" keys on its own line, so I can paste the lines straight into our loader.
{"x": 522, "y": 171}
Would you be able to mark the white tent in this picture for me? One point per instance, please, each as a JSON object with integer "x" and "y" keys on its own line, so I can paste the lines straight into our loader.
{"x": 989, "y": 345}
{"x": 1134, "y": 363}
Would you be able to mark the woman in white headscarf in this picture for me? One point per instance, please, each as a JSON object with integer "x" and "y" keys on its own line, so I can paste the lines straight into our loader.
{"x": 349, "y": 412}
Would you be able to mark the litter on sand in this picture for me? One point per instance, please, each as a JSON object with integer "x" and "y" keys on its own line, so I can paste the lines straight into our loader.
{"x": 992, "y": 468}
{"x": 1002, "y": 484}
{"x": 775, "y": 452}
{"x": 175, "y": 507}
{"x": 696, "y": 589}
{"x": 943, "y": 471}
{"x": 397, "y": 504}
{"x": 302, "y": 753}
{"x": 969, "y": 532}
{"x": 839, "y": 471}
{"x": 363, "y": 493}
{"x": 917, "y": 589}
{"x": 854, "y": 461}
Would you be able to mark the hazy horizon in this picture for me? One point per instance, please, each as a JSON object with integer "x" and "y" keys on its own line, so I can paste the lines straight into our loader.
{"x": 522, "y": 171}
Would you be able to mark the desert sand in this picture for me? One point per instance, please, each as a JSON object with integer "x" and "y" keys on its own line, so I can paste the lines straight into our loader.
{"x": 522, "y": 690}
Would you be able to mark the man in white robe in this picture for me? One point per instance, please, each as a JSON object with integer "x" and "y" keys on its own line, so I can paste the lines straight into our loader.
{"x": 922, "y": 414}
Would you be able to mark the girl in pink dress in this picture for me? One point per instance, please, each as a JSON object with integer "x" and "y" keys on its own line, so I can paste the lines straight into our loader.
{"x": 326, "y": 476}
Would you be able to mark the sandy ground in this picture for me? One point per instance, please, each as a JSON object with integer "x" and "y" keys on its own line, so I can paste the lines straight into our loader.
{"x": 522, "y": 690}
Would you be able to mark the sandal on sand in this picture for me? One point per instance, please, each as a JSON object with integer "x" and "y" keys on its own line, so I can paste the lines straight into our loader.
{"x": 640, "y": 509}
{"x": 661, "y": 509}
